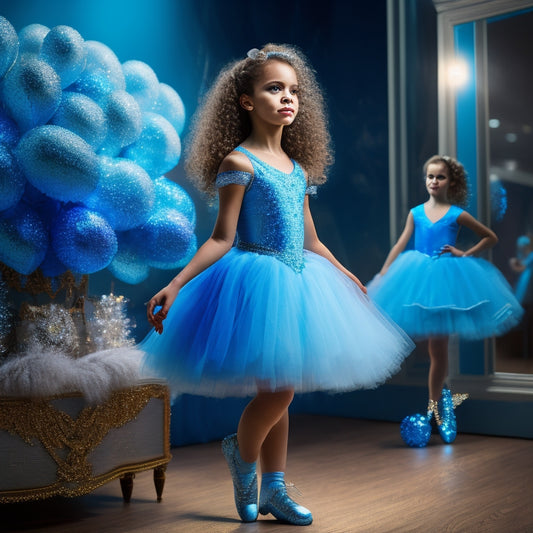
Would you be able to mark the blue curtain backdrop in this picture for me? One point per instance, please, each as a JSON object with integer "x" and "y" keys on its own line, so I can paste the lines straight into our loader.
{"x": 186, "y": 42}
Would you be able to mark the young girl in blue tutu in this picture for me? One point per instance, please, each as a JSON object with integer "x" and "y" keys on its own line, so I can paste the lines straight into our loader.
{"x": 436, "y": 290}
{"x": 264, "y": 309}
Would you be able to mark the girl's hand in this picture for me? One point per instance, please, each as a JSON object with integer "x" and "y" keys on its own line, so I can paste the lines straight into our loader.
{"x": 449, "y": 249}
{"x": 356, "y": 280}
{"x": 164, "y": 298}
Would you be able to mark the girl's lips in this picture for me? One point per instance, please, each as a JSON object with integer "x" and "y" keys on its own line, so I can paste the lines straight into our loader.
{"x": 286, "y": 111}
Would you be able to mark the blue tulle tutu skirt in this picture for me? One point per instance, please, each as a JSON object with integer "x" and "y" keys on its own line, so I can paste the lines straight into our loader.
{"x": 445, "y": 295}
{"x": 249, "y": 322}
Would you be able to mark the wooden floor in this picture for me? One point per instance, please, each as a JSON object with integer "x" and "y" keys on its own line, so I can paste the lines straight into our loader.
{"x": 354, "y": 475}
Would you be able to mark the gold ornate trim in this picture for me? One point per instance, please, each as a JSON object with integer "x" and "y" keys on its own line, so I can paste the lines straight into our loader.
{"x": 32, "y": 418}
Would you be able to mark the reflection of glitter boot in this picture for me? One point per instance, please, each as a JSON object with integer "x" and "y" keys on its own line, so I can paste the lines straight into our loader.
{"x": 275, "y": 500}
{"x": 447, "y": 425}
{"x": 244, "y": 479}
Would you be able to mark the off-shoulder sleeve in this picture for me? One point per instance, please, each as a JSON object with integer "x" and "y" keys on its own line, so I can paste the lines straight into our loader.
{"x": 311, "y": 190}
{"x": 237, "y": 177}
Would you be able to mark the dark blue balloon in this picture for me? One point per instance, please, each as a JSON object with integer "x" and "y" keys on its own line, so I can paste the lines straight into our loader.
{"x": 31, "y": 92}
{"x": 83, "y": 116}
{"x": 59, "y": 163}
{"x": 83, "y": 240}
{"x": 9, "y": 132}
{"x": 51, "y": 265}
{"x": 23, "y": 239}
{"x": 9, "y": 46}
{"x": 12, "y": 180}
{"x": 63, "y": 50}
{"x": 165, "y": 238}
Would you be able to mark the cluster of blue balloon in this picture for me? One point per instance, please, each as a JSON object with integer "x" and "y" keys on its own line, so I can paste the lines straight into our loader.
{"x": 85, "y": 142}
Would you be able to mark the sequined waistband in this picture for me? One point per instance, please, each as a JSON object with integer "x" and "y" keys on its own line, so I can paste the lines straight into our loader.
{"x": 293, "y": 260}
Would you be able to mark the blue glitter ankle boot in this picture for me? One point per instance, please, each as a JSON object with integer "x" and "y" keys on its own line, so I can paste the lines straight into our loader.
{"x": 244, "y": 479}
{"x": 275, "y": 500}
{"x": 447, "y": 424}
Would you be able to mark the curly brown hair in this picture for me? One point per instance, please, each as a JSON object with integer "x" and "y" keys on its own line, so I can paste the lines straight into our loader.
{"x": 458, "y": 194}
{"x": 221, "y": 123}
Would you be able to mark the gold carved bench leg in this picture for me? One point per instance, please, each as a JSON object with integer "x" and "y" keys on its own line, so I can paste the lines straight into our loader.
{"x": 159, "y": 480}
{"x": 126, "y": 484}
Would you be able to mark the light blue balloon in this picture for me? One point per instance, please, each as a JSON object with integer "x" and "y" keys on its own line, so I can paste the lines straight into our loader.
{"x": 59, "y": 163}
{"x": 170, "y": 105}
{"x": 63, "y": 50}
{"x": 165, "y": 238}
{"x": 124, "y": 195}
{"x": 23, "y": 239}
{"x": 31, "y": 92}
{"x": 141, "y": 83}
{"x": 83, "y": 240}
{"x": 169, "y": 194}
{"x": 12, "y": 180}
{"x": 100, "y": 56}
{"x": 83, "y": 116}
{"x": 9, "y": 46}
{"x": 9, "y": 132}
{"x": 94, "y": 83}
{"x": 158, "y": 149}
{"x": 124, "y": 122}
{"x": 126, "y": 265}
{"x": 31, "y": 38}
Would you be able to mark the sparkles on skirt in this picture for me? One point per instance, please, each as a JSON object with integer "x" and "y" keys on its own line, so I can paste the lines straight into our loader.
{"x": 249, "y": 322}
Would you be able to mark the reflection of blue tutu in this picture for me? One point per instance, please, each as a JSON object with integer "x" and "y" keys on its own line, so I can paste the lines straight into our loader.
{"x": 250, "y": 321}
{"x": 430, "y": 296}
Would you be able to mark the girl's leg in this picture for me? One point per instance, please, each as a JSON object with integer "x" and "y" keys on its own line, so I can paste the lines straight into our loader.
{"x": 438, "y": 366}
{"x": 258, "y": 420}
{"x": 274, "y": 449}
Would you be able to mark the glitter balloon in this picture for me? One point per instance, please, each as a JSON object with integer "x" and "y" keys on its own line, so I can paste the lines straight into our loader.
{"x": 12, "y": 181}
{"x": 415, "y": 430}
{"x": 165, "y": 238}
{"x": 141, "y": 83}
{"x": 9, "y": 132}
{"x": 31, "y": 38}
{"x": 170, "y": 105}
{"x": 124, "y": 122}
{"x": 127, "y": 266}
{"x": 158, "y": 149}
{"x": 169, "y": 194}
{"x": 59, "y": 163}
{"x": 63, "y": 50}
{"x": 83, "y": 240}
{"x": 9, "y": 46}
{"x": 31, "y": 92}
{"x": 94, "y": 83}
{"x": 23, "y": 238}
{"x": 100, "y": 56}
{"x": 83, "y": 116}
{"x": 51, "y": 265}
{"x": 124, "y": 195}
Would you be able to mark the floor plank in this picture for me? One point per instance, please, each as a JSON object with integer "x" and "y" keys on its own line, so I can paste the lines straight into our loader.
{"x": 355, "y": 476}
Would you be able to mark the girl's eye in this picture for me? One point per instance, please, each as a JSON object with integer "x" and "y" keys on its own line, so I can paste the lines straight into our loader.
{"x": 274, "y": 88}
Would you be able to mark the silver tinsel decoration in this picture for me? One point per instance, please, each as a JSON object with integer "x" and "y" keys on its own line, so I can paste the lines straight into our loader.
{"x": 6, "y": 321}
{"x": 107, "y": 322}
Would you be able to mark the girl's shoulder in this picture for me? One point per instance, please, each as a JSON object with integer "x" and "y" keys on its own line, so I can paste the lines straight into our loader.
{"x": 236, "y": 161}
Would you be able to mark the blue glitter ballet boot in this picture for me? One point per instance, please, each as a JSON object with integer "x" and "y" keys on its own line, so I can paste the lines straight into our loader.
{"x": 447, "y": 425}
{"x": 244, "y": 479}
{"x": 275, "y": 500}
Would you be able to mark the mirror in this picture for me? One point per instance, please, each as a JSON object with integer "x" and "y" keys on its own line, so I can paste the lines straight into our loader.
{"x": 509, "y": 53}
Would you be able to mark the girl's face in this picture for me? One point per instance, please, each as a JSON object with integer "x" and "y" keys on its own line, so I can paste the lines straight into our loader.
{"x": 438, "y": 180}
{"x": 275, "y": 95}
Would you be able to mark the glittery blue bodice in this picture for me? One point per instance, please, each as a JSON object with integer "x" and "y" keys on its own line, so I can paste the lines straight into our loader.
{"x": 271, "y": 218}
{"x": 430, "y": 237}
